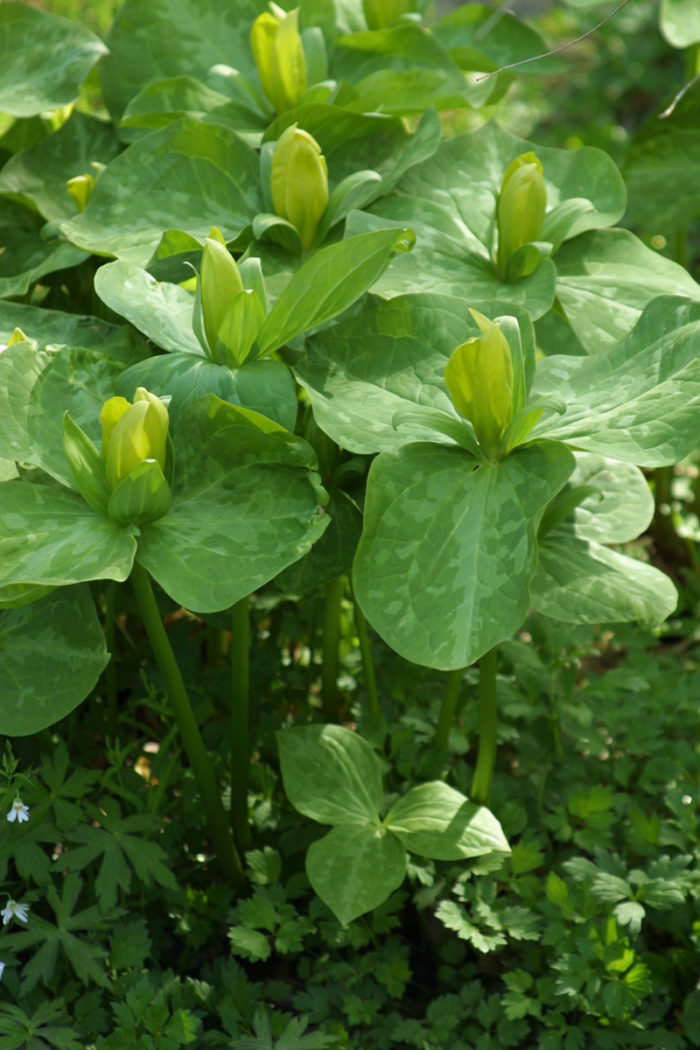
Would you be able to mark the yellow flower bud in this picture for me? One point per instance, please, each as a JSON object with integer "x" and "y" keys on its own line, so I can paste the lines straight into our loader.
{"x": 299, "y": 182}
{"x": 132, "y": 434}
{"x": 522, "y": 204}
{"x": 479, "y": 377}
{"x": 279, "y": 56}
{"x": 220, "y": 283}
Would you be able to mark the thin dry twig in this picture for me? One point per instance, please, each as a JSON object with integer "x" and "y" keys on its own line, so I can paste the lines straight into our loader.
{"x": 556, "y": 50}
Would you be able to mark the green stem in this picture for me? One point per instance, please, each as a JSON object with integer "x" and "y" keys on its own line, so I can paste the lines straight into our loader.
{"x": 448, "y": 710}
{"x": 240, "y": 694}
{"x": 367, "y": 665}
{"x": 331, "y": 640}
{"x": 110, "y": 674}
{"x": 189, "y": 730}
{"x": 666, "y": 539}
{"x": 486, "y": 760}
{"x": 554, "y": 720}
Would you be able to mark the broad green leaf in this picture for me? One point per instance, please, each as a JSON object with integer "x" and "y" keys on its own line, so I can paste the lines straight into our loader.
{"x": 330, "y": 774}
{"x": 30, "y": 250}
{"x": 662, "y": 169}
{"x": 637, "y": 401}
{"x": 246, "y": 504}
{"x": 580, "y": 581}
{"x": 266, "y": 387}
{"x": 440, "y": 265}
{"x": 464, "y": 177}
{"x": 51, "y": 654}
{"x": 622, "y": 506}
{"x": 606, "y": 278}
{"x": 353, "y": 142}
{"x": 56, "y": 328}
{"x": 402, "y": 69}
{"x": 160, "y": 310}
{"x": 50, "y": 536}
{"x": 478, "y": 40}
{"x": 363, "y": 372}
{"x": 332, "y": 555}
{"x": 434, "y": 820}
{"x": 164, "y": 101}
{"x": 443, "y": 568}
{"x": 333, "y": 279}
{"x": 188, "y": 175}
{"x": 44, "y": 59}
{"x": 154, "y": 39}
{"x": 36, "y": 388}
{"x": 679, "y": 21}
{"x": 39, "y": 173}
{"x": 411, "y": 91}
{"x": 354, "y": 869}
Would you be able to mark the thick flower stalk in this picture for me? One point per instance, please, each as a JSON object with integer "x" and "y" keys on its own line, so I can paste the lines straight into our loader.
{"x": 522, "y": 204}
{"x": 299, "y": 182}
{"x": 279, "y": 56}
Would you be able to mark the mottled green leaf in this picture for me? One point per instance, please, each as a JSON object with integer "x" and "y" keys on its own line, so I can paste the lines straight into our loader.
{"x": 606, "y": 278}
{"x": 442, "y": 263}
{"x": 160, "y": 310}
{"x": 39, "y": 173}
{"x": 332, "y": 279}
{"x": 679, "y": 21}
{"x": 434, "y": 820}
{"x": 449, "y": 548}
{"x": 50, "y": 536}
{"x": 637, "y": 401}
{"x": 51, "y": 654}
{"x": 263, "y": 386}
{"x": 361, "y": 373}
{"x": 580, "y": 581}
{"x": 332, "y": 555}
{"x": 164, "y": 101}
{"x": 330, "y": 774}
{"x": 30, "y": 250}
{"x": 353, "y": 142}
{"x": 56, "y": 328}
{"x": 622, "y": 505}
{"x": 44, "y": 59}
{"x": 355, "y": 868}
{"x": 153, "y": 39}
{"x": 188, "y": 175}
{"x": 245, "y": 505}
{"x": 36, "y": 388}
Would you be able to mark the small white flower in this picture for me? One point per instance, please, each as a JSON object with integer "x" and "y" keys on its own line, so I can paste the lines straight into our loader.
{"x": 14, "y": 910}
{"x": 2, "y": 967}
{"x": 18, "y": 812}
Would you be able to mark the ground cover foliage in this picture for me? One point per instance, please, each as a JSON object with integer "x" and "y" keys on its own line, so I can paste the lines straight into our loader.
{"x": 348, "y": 517}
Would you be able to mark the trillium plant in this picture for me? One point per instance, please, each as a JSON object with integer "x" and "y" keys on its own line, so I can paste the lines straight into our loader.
{"x": 322, "y": 346}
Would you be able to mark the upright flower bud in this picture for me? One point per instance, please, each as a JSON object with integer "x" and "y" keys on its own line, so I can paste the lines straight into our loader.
{"x": 81, "y": 187}
{"x": 220, "y": 283}
{"x": 279, "y": 56}
{"x": 479, "y": 377}
{"x": 299, "y": 182}
{"x": 522, "y": 204}
{"x": 135, "y": 453}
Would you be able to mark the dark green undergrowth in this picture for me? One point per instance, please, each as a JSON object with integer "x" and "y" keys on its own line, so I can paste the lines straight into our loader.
{"x": 588, "y": 935}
